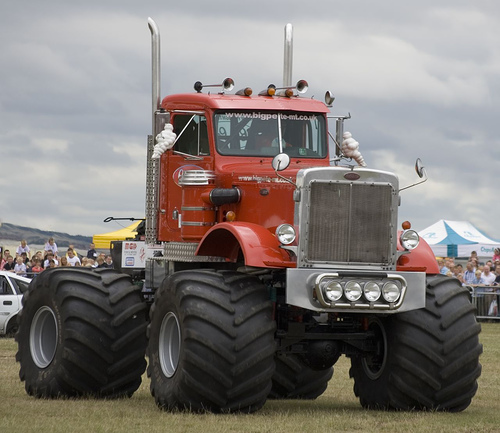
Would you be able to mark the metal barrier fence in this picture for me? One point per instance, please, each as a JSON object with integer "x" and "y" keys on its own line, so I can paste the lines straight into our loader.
{"x": 486, "y": 299}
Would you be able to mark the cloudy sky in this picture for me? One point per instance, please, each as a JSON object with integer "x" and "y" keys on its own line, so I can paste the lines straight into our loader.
{"x": 420, "y": 79}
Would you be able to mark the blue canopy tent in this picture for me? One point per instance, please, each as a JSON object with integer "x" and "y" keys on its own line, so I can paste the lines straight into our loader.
{"x": 458, "y": 239}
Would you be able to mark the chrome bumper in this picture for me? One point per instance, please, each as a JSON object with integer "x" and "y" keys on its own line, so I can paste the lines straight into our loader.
{"x": 302, "y": 291}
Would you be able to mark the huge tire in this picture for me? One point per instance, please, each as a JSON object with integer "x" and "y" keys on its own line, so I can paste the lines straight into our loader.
{"x": 82, "y": 333}
{"x": 428, "y": 359}
{"x": 211, "y": 342}
{"x": 293, "y": 379}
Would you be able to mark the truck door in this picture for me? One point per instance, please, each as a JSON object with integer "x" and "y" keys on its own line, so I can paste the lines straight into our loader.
{"x": 190, "y": 152}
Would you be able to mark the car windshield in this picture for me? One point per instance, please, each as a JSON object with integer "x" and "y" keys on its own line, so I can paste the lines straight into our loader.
{"x": 257, "y": 133}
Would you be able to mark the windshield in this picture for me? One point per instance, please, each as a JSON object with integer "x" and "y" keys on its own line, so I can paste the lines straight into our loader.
{"x": 249, "y": 133}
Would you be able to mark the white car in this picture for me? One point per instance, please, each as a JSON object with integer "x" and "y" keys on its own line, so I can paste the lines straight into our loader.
{"x": 12, "y": 287}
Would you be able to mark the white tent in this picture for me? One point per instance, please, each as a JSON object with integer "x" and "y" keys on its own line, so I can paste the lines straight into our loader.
{"x": 458, "y": 239}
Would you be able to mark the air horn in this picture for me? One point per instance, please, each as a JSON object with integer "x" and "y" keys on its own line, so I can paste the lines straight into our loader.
{"x": 227, "y": 85}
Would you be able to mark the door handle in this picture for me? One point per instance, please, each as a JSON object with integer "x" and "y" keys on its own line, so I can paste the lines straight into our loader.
{"x": 7, "y": 302}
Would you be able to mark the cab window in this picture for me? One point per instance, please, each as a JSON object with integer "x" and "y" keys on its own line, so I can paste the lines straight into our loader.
{"x": 192, "y": 133}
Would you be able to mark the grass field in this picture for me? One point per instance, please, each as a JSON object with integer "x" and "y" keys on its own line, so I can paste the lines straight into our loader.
{"x": 337, "y": 410}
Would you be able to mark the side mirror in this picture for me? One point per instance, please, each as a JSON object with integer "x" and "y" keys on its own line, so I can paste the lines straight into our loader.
{"x": 281, "y": 162}
{"x": 329, "y": 98}
{"x": 420, "y": 169}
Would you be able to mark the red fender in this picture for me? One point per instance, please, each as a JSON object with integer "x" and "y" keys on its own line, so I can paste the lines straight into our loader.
{"x": 420, "y": 259}
{"x": 259, "y": 246}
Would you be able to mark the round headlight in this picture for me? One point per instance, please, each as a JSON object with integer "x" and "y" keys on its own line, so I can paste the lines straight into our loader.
{"x": 353, "y": 291}
{"x": 409, "y": 239}
{"x": 372, "y": 291}
{"x": 332, "y": 290}
{"x": 285, "y": 234}
{"x": 391, "y": 291}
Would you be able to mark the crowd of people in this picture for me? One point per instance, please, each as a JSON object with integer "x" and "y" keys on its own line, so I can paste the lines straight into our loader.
{"x": 26, "y": 264}
{"x": 481, "y": 277}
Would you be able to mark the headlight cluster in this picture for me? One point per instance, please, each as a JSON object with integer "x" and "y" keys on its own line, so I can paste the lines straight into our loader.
{"x": 339, "y": 290}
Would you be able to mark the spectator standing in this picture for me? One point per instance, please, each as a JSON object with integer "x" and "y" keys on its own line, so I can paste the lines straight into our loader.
{"x": 48, "y": 258}
{"x": 92, "y": 253}
{"x": 23, "y": 248}
{"x": 473, "y": 255}
{"x": 25, "y": 258}
{"x": 477, "y": 278}
{"x": 450, "y": 263}
{"x": 442, "y": 267}
{"x": 20, "y": 267}
{"x": 9, "y": 265}
{"x": 72, "y": 258}
{"x": 36, "y": 268}
{"x": 496, "y": 255}
{"x": 496, "y": 266}
{"x": 487, "y": 277}
{"x": 51, "y": 246}
{"x": 475, "y": 263}
{"x": 457, "y": 272}
{"x": 469, "y": 275}
{"x": 108, "y": 262}
{"x": 38, "y": 255}
{"x": 72, "y": 247}
{"x": 479, "y": 294}
{"x": 497, "y": 278}
{"x": 3, "y": 258}
{"x": 63, "y": 263}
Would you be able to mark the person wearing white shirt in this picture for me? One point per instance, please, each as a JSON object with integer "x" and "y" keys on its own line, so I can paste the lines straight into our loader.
{"x": 50, "y": 256}
{"x": 487, "y": 276}
{"x": 20, "y": 267}
{"x": 51, "y": 246}
{"x": 72, "y": 258}
{"x": 23, "y": 248}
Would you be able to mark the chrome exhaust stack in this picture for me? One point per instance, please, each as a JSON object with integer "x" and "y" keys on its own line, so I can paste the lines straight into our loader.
{"x": 155, "y": 69}
{"x": 152, "y": 165}
{"x": 288, "y": 56}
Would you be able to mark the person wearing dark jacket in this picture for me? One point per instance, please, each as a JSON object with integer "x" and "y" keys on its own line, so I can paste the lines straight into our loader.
{"x": 92, "y": 253}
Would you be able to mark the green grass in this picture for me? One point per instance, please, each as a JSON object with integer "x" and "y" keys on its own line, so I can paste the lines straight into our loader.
{"x": 336, "y": 410}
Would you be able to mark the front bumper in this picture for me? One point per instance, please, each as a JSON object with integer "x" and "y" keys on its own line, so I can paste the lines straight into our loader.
{"x": 302, "y": 291}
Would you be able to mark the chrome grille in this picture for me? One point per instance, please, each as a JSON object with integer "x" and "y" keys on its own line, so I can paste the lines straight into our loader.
{"x": 349, "y": 222}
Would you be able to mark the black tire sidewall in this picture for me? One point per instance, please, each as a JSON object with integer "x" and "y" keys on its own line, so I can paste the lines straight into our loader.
{"x": 373, "y": 392}
{"x": 101, "y": 334}
{"x": 294, "y": 379}
{"x": 40, "y": 295}
{"x": 167, "y": 302}
{"x": 217, "y": 351}
{"x": 430, "y": 352}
